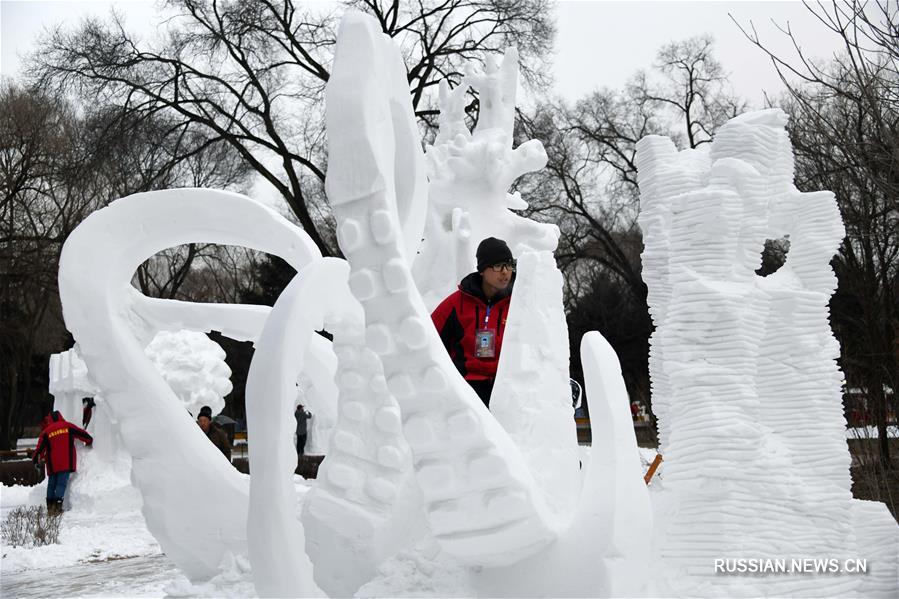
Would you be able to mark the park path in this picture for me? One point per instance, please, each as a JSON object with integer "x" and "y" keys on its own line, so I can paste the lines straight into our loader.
{"x": 144, "y": 576}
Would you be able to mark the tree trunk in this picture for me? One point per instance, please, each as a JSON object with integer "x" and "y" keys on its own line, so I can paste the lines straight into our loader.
{"x": 880, "y": 415}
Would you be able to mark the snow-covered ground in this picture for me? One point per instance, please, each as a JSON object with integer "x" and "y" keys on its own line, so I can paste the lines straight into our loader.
{"x": 87, "y": 535}
{"x": 104, "y": 550}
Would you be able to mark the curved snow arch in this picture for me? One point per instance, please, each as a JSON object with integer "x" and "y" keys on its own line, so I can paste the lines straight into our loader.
{"x": 276, "y": 540}
{"x": 111, "y": 321}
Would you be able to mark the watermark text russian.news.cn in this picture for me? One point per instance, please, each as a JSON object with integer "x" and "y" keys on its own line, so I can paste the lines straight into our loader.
{"x": 799, "y": 565}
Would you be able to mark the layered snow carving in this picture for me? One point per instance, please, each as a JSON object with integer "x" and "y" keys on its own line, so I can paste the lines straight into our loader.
{"x": 738, "y": 360}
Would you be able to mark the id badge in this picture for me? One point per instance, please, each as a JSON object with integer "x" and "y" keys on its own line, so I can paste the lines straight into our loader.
{"x": 485, "y": 343}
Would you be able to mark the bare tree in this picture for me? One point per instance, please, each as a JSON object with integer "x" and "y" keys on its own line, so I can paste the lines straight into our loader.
{"x": 589, "y": 188}
{"x": 38, "y": 161}
{"x": 57, "y": 165}
{"x": 251, "y": 74}
{"x": 130, "y": 155}
{"x": 693, "y": 87}
{"x": 845, "y": 130}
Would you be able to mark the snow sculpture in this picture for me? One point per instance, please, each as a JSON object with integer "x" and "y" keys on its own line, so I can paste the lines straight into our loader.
{"x": 317, "y": 295}
{"x": 532, "y": 396}
{"x": 481, "y": 500}
{"x": 112, "y": 323}
{"x": 69, "y": 383}
{"x": 417, "y": 469}
{"x": 455, "y": 443}
{"x": 317, "y": 391}
{"x": 103, "y": 480}
{"x": 470, "y": 173}
{"x": 194, "y": 367}
{"x": 737, "y": 360}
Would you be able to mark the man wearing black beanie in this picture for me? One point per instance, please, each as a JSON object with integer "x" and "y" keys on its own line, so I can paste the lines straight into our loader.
{"x": 471, "y": 321}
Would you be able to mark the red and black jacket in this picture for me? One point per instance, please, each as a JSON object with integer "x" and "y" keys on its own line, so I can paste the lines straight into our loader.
{"x": 56, "y": 445}
{"x": 464, "y": 312}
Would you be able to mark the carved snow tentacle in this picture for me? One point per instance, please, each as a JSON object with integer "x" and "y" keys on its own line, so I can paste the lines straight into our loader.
{"x": 623, "y": 518}
{"x": 481, "y": 501}
{"x": 532, "y": 395}
{"x": 362, "y": 503}
{"x": 478, "y": 492}
{"x": 376, "y": 64}
{"x": 96, "y": 267}
{"x": 281, "y": 567}
{"x": 605, "y": 551}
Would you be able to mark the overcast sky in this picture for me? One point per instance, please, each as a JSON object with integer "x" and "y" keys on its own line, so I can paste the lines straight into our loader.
{"x": 599, "y": 43}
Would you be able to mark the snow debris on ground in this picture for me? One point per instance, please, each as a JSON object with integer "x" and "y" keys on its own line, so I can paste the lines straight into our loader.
{"x": 424, "y": 571}
{"x": 235, "y": 580}
{"x": 105, "y": 550}
{"x": 87, "y": 535}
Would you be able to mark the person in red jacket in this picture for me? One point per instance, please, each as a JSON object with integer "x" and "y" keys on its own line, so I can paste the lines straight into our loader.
{"x": 471, "y": 321}
{"x": 56, "y": 448}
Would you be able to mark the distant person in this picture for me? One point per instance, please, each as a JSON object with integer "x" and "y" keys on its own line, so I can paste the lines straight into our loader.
{"x": 577, "y": 392}
{"x": 471, "y": 321}
{"x": 56, "y": 449}
{"x": 302, "y": 415}
{"x": 87, "y": 411}
{"x": 213, "y": 431}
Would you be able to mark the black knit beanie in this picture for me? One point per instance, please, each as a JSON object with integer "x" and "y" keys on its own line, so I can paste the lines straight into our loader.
{"x": 205, "y": 411}
{"x": 492, "y": 251}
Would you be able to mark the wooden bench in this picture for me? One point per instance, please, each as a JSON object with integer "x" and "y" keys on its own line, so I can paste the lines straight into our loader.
{"x": 16, "y": 454}
{"x": 20, "y": 472}
{"x": 307, "y": 465}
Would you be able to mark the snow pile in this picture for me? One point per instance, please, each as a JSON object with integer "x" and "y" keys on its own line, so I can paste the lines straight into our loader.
{"x": 233, "y": 580}
{"x": 108, "y": 551}
{"x": 194, "y": 367}
{"x": 737, "y": 360}
{"x": 103, "y": 481}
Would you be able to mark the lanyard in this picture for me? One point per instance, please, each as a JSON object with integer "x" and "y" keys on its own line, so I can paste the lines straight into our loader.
{"x": 487, "y": 316}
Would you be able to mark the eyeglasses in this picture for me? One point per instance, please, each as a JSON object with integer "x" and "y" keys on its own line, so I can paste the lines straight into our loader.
{"x": 510, "y": 266}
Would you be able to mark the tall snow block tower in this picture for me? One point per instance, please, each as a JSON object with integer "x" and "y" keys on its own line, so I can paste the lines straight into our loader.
{"x": 745, "y": 383}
